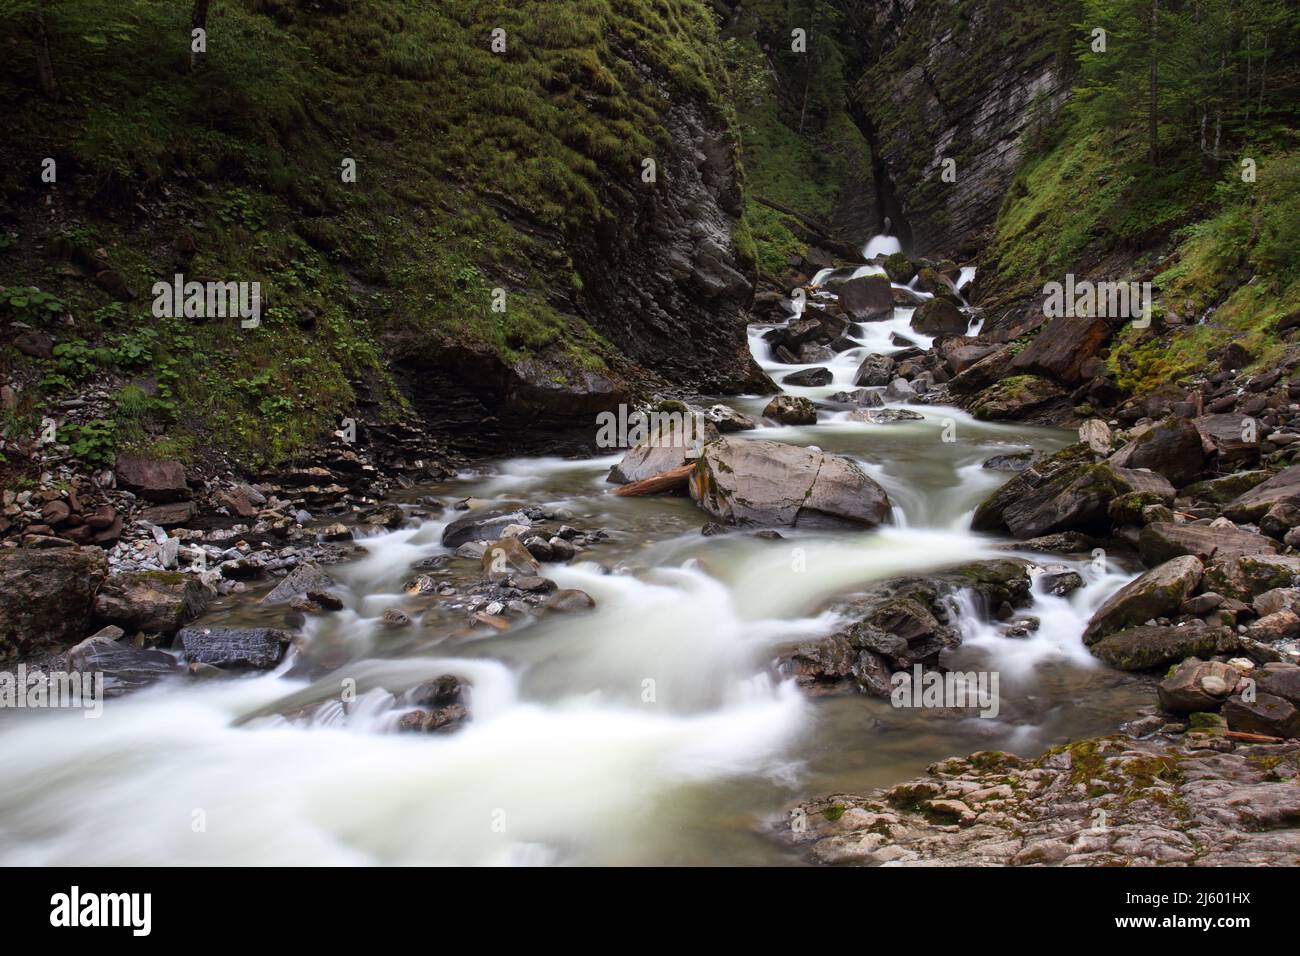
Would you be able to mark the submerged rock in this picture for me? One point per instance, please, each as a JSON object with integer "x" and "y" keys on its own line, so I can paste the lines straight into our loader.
{"x": 767, "y": 483}
{"x": 260, "y": 648}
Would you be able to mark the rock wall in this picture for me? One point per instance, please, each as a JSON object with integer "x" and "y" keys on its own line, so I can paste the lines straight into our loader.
{"x": 971, "y": 82}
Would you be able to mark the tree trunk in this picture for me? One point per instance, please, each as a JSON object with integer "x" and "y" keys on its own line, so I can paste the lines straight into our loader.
{"x": 198, "y": 21}
{"x": 674, "y": 479}
{"x": 44, "y": 65}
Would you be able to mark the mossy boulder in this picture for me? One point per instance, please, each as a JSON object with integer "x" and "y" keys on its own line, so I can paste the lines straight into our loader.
{"x": 1158, "y": 593}
{"x": 1247, "y": 576}
{"x": 1152, "y": 647}
{"x": 1016, "y": 398}
{"x": 160, "y": 602}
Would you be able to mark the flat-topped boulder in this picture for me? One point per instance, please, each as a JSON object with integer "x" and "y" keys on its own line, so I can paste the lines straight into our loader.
{"x": 1162, "y": 540}
{"x": 768, "y": 483}
{"x": 1282, "y": 488}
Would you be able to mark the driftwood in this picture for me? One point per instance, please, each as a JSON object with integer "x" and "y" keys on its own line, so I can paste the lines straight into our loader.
{"x": 672, "y": 480}
{"x": 1251, "y": 738}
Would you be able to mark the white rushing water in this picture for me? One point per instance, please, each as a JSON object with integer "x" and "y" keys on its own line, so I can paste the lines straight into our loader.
{"x": 651, "y": 729}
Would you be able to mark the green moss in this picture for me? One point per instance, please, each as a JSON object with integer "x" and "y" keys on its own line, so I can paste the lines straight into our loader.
{"x": 474, "y": 169}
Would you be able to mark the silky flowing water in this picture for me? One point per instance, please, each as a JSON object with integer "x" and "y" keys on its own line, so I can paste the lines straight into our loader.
{"x": 651, "y": 730}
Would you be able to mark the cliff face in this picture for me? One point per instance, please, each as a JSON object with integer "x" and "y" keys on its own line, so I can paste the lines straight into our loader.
{"x": 949, "y": 80}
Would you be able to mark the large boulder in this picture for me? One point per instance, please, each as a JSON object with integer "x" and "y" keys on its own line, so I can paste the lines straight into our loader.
{"x": 47, "y": 598}
{"x": 809, "y": 377}
{"x": 1061, "y": 348}
{"x": 1197, "y": 685}
{"x": 982, "y": 373}
{"x": 765, "y": 483}
{"x": 867, "y": 298}
{"x": 152, "y": 479}
{"x": 158, "y": 602}
{"x": 258, "y": 648}
{"x": 1227, "y": 436}
{"x": 1150, "y": 647}
{"x": 1162, "y": 540}
{"x": 1282, "y": 489}
{"x": 1172, "y": 448}
{"x": 1266, "y": 714}
{"x": 1223, "y": 489}
{"x": 939, "y": 316}
{"x": 1016, "y": 398}
{"x": 1247, "y": 576}
{"x": 1158, "y": 593}
{"x": 125, "y": 667}
{"x": 670, "y": 445}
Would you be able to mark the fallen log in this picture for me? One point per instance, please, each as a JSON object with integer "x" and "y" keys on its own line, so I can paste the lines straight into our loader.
{"x": 1251, "y": 738}
{"x": 675, "y": 479}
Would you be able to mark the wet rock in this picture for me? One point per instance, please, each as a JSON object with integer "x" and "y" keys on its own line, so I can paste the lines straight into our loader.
{"x": 158, "y": 602}
{"x": 961, "y": 357}
{"x": 47, "y": 598}
{"x": 875, "y": 371}
{"x": 1061, "y": 494}
{"x": 393, "y": 618}
{"x": 1149, "y": 647}
{"x": 1266, "y": 714}
{"x": 1017, "y": 398}
{"x": 809, "y": 377}
{"x": 538, "y": 548}
{"x": 1160, "y": 541}
{"x": 884, "y": 416}
{"x": 562, "y": 549}
{"x": 533, "y": 584}
{"x": 1282, "y": 489}
{"x": 1014, "y": 462}
{"x": 862, "y": 397}
{"x": 481, "y": 524}
{"x": 1197, "y": 801}
{"x": 900, "y": 390}
{"x": 508, "y": 556}
{"x": 1280, "y": 680}
{"x": 125, "y": 667}
{"x": 309, "y": 579}
{"x": 939, "y": 316}
{"x": 867, "y": 298}
{"x": 1246, "y": 577}
{"x": 1279, "y": 626}
{"x": 766, "y": 483}
{"x": 789, "y": 410}
{"x": 152, "y": 479}
{"x": 1061, "y": 349}
{"x": 1196, "y": 686}
{"x": 1172, "y": 448}
{"x": 570, "y": 599}
{"x": 258, "y": 648}
{"x": 1226, "y": 437}
{"x": 1279, "y": 520}
{"x": 1159, "y": 592}
{"x": 1060, "y": 583}
{"x": 670, "y": 445}
{"x": 727, "y": 420}
{"x": 1224, "y": 489}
